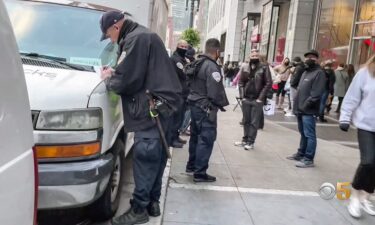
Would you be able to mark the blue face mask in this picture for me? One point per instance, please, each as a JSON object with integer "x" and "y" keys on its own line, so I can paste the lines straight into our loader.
{"x": 181, "y": 52}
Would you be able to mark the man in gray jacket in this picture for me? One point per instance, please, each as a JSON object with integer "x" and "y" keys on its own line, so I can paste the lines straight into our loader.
{"x": 306, "y": 107}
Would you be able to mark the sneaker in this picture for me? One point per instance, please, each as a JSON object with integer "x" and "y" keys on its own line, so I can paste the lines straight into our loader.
{"x": 204, "y": 178}
{"x": 239, "y": 143}
{"x": 177, "y": 144}
{"x": 182, "y": 141}
{"x": 354, "y": 208}
{"x": 249, "y": 146}
{"x": 134, "y": 215}
{"x": 189, "y": 170}
{"x": 305, "y": 163}
{"x": 295, "y": 156}
{"x": 368, "y": 207}
{"x": 153, "y": 209}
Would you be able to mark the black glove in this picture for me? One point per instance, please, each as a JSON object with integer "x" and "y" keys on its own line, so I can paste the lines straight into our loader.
{"x": 344, "y": 126}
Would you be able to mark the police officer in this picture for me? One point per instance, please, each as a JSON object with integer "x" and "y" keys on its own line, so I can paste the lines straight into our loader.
{"x": 207, "y": 96}
{"x": 179, "y": 62}
{"x": 143, "y": 64}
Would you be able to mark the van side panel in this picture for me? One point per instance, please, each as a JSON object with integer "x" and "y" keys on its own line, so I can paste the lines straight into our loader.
{"x": 16, "y": 139}
{"x": 17, "y": 190}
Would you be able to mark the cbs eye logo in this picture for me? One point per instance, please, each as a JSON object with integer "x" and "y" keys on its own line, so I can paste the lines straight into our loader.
{"x": 328, "y": 191}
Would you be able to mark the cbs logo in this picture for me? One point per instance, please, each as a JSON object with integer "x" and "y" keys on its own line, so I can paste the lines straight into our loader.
{"x": 328, "y": 191}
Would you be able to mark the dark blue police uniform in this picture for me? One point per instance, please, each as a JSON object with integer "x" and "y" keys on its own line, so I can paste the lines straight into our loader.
{"x": 207, "y": 96}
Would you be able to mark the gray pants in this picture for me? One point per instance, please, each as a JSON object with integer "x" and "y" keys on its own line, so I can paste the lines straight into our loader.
{"x": 252, "y": 115}
{"x": 293, "y": 93}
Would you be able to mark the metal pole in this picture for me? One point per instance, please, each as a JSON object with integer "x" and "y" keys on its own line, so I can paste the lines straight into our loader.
{"x": 191, "y": 13}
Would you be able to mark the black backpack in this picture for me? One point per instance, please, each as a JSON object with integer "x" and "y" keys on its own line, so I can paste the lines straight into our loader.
{"x": 192, "y": 69}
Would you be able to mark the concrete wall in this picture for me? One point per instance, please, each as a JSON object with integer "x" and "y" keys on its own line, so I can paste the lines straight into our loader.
{"x": 300, "y": 27}
{"x": 149, "y": 13}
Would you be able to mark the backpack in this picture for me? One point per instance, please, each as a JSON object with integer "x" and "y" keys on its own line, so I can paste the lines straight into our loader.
{"x": 192, "y": 69}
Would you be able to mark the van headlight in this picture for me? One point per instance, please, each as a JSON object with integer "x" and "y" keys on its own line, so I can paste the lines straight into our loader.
{"x": 83, "y": 119}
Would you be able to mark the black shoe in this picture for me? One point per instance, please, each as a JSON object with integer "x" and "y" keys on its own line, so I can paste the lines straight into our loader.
{"x": 322, "y": 120}
{"x": 134, "y": 215}
{"x": 204, "y": 178}
{"x": 189, "y": 170}
{"x": 295, "y": 156}
{"x": 182, "y": 141}
{"x": 177, "y": 144}
{"x": 153, "y": 209}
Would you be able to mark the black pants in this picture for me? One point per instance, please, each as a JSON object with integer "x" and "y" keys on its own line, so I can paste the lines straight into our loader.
{"x": 252, "y": 116}
{"x": 149, "y": 161}
{"x": 178, "y": 119}
{"x": 202, "y": 137}
{"x": 280, "y": 90}
{"x": 364, "y": 178}
{"x": 339, "y": 105}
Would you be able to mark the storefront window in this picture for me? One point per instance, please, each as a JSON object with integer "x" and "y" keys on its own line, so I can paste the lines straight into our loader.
{"x": 334, "y": 30}
{"x": 367, "y": 10}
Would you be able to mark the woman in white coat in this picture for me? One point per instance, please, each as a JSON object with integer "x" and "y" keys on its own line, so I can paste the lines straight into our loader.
{"x": 359, "y": 107}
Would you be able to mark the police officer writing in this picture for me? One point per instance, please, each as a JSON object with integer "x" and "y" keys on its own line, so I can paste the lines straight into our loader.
{"x": 143, "y": 64}
{"x": 255, "y": 82}
{"x": 207, "y": 96}
{"x": 179, "y": 61}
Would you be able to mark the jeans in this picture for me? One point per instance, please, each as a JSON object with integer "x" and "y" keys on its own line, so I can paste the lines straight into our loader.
{"x": 178, "y": 118}
{"x": 323, "y": 102}
{"x": 308, "y": 142}
{"x": 149, "y": 161}
{"x": 202, "y": 137}
{"x": 252, "y": 116}
{"x": 186, "y": 121}
{"x": 364, "y": 178}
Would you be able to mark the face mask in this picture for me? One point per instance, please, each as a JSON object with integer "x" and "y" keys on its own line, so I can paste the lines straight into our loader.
{"x": 254, "y": 61}
{"x": 181, "y": 52}
{"x": 310, "y": 63}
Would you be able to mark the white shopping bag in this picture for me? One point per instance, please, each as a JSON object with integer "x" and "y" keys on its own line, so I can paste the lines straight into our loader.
{"x": 269, "y": 108}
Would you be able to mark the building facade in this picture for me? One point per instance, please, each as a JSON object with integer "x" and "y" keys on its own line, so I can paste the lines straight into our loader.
{"x": 341, "y": 30}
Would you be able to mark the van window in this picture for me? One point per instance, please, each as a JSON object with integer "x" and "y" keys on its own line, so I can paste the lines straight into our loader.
{"x": 66, "y": 32}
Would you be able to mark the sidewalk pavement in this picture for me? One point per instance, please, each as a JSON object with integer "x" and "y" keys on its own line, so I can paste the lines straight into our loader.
{"x": 260, "y": 186}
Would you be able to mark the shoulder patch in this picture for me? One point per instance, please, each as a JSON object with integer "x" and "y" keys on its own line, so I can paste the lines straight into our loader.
{"x": 122, "y": 57}
{"x": 216, "y": 76}
{"x": 180, "y": 66}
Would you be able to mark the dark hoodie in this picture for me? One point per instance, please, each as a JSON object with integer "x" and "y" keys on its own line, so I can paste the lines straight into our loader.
{"x": 143, "y": 64}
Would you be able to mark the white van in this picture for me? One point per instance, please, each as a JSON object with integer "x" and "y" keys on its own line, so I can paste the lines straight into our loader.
{"x": 18, "y": 167}
{"x": 78, "y": 124}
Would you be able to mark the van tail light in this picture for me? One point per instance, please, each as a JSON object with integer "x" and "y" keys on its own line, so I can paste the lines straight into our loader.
{"x": 36, "y": 185}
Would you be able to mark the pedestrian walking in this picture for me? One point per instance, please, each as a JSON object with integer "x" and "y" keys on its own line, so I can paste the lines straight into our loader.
{"x": 179, "y": 62}
{"x": 207, "y": 96}
{"x": 143, "y": 65}
{"x": 329, "y": 89}
{"x": 306, "y": 105}
{"x": 341, "y": 84}
{"x": 298, "y": 69}
{"x": 229, "y": 75}
{"x": 254, "y": 84}
{"x": 283, "y": 71}
{"x": 359, "y": 107}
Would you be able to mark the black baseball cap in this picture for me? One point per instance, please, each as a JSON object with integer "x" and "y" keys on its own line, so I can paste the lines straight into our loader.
{"x": 312, "y": 52}
{"x": 107, "y": 20}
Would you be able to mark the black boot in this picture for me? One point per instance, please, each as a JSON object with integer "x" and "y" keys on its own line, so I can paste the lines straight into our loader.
{"x": 153, "y": 209}
{"x": 134, "y": 215}
{"x": 322, "y": 119}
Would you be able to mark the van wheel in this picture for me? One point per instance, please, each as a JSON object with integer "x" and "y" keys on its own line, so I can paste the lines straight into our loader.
{"x": 106, "y": 206}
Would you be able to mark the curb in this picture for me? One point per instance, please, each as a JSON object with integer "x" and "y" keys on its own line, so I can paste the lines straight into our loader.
{"x": 159, "y": 220}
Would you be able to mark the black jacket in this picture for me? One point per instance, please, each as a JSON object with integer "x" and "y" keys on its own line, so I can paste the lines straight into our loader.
{"x": 255, "y": 83}
{"x": 296, "y": 76}
{"x": 143, "y": 64}
{"x": 330, "y": 80}
{"x": 310, "y": 90}
{"x": 179, "y": 64}
{"x": 206, "y": 88}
